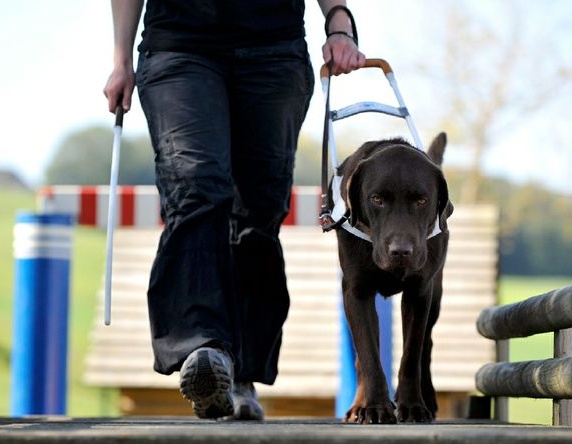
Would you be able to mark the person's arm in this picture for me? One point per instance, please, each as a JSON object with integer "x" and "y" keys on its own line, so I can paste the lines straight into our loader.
{"x": 121, "y": 82}
{"x": 340, "y": 45}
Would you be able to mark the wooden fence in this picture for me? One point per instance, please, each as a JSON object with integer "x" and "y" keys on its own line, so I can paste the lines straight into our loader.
{"x": 120, "y": 355}
{"x": 311, "y": 354}
{"x": 549, "y": 378}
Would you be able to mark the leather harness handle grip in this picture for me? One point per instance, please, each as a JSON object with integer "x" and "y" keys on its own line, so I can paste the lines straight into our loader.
{"x": 369, "y": 63}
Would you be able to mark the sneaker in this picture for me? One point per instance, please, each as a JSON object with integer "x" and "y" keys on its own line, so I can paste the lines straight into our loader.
{"x": 246, "y": 404}
{"x": 206, "y": 381}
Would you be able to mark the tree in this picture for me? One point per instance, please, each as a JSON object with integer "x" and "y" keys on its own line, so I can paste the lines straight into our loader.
{"x": 84, "y": 158}
{"x": 491, "y": 70}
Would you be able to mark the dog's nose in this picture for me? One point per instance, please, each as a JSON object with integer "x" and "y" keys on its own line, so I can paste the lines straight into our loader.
{"x": 400, "y": 249}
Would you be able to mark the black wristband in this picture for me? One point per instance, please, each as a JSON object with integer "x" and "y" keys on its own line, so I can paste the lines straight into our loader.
{"x": 329, "y": 16}
{"x": 343, "y": 33}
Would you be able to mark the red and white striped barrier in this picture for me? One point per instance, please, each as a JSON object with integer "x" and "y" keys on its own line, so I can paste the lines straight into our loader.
{"x": 138, "y": 206}
{"x": 304, "y": 206}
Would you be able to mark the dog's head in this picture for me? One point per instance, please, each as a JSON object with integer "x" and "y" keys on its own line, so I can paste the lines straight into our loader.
{"x": 397, "y": 194}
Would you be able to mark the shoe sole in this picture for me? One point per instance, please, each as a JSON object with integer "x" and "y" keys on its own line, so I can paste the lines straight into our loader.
{"x": 208, "y": 384}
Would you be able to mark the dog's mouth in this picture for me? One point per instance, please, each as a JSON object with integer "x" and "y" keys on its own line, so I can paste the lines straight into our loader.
{"x": 402, "y": 272}
{"x": 399, "y": 265}
{"x": 398, "y": 272}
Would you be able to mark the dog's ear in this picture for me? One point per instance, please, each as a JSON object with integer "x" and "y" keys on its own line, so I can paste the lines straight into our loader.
{"x": 437, "y": 148}
{"x": 435, "y": 152}
{"x": 444, "y": 207}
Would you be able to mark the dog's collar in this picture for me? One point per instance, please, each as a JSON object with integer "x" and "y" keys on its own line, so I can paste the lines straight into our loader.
{"x": 340, "y": 212}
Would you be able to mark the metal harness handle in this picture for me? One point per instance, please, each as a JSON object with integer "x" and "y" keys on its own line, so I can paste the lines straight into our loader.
{"x": 325, "y": 218}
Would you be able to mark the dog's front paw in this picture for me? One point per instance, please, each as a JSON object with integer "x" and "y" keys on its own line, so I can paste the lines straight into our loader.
{"x": 376, "y": 414}
{"x": 414, "y": 413}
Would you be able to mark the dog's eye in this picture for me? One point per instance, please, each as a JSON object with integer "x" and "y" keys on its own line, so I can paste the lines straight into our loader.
{"x": 420, "y": 202}
{"x": 377, "y": 200}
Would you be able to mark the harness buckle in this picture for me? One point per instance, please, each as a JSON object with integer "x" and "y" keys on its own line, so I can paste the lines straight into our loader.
{"x": 328, "y": 223}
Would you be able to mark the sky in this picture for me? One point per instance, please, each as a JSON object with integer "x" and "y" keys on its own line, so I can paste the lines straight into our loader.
{"x": 56, "y": 56}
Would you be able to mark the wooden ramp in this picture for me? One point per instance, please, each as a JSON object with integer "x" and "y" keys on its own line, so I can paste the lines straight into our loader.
{"x": 177, "y": 430}
{"x": 120, "y": 355}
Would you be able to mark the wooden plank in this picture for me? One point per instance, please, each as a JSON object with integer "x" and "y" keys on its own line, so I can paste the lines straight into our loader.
{"x": 444, "y": 328}
{"x": 153, "y": 402}
{"x": 301, "y": 387}
{"x": 452, "y": 383}
{"x": 471, "y": 213}
{"x": 549, "y": 378}
{"x": 147, "y": 379}
{"x": 544, "y": 313}
{"x": 486, "y": 261}
{"x": 132, "y": 365}
{"x": 120, "y": 378}
{"x": 161, "y": 402}
{"x": 284, "y": 406}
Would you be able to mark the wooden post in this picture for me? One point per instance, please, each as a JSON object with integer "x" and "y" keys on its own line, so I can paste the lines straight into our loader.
{"x": 501, "y": 402}
{"x": 562, "y": 408}
{"x": 549, "y": 378}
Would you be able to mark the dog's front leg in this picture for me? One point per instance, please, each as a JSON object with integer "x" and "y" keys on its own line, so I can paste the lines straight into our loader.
{"x": 429, "y": 395}
{"x": 414, "y": 311}
{"x": 371, "y": 404}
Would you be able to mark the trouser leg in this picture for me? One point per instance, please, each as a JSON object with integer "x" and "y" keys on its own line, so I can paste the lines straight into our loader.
{"x": 191, "y": 294}
{"x": 268, "y": 107}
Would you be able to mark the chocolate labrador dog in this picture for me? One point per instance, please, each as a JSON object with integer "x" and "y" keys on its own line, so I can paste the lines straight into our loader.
{"x": 394, "y": 240}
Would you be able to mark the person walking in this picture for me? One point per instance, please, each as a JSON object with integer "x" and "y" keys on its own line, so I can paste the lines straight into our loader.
{"x": 225, "y": 86}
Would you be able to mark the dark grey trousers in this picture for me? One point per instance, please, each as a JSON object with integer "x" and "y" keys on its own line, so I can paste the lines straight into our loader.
{"x": 224, "y": 130}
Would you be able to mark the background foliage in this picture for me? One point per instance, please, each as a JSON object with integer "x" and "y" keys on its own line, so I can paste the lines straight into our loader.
{"x": 69, "y": 165}
{"x": 536, "y": 233}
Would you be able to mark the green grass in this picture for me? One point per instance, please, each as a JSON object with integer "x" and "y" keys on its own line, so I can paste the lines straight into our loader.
{"x": 87, "y": 271}
{"x": 86, "y": 280}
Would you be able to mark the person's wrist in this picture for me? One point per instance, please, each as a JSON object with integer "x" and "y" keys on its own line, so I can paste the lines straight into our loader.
{"x": 340, "y": 21}
{"x": 123, "y": 59}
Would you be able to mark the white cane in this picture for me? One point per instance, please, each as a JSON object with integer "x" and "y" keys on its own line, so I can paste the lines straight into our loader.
{"x": 112, "y": 209}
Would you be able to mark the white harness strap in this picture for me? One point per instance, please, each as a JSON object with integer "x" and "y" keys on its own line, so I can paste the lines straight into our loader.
{"x": 436, "y": 228}
{"x": 340, "y": 209}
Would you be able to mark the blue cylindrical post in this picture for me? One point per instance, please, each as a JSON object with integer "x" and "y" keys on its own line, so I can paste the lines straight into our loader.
{"x": 384, "y": 308}
{"x": 348, "y": 376}
{"x": 42, "y": 252}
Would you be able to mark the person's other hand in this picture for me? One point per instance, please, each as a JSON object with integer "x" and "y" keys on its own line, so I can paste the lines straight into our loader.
{"x": 119, "y": 88}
